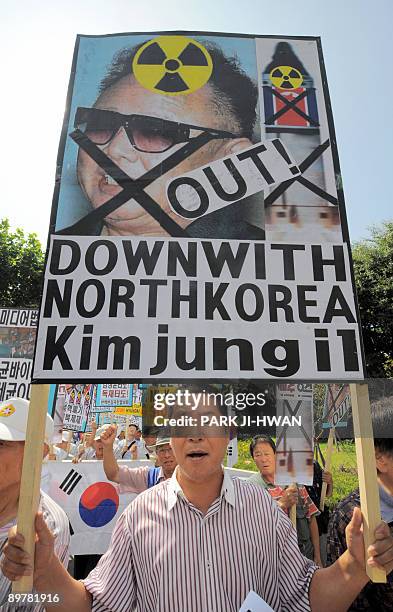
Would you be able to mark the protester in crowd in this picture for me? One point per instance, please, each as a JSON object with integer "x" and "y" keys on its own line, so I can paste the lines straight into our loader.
{"x": 142, "y": 451}
{"x": 63, "y": 449}
{"x": 320, "y": 476}
{"x": 201, "y": 541}
{"x": 149, "y": 437}
{"x": 136, "y": 480}
{"x": 92, "y": 448}
{"x": 223, "y": 111}
{"x": 129, "y": 448}
{"x": 135, "y": 448}
{"x": 378, "y": 597}
{"x": 263, "y": 451}
{"x": 13, "y": 424}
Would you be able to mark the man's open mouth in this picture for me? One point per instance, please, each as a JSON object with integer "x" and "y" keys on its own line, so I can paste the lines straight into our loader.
{"x": 197, "y": 454}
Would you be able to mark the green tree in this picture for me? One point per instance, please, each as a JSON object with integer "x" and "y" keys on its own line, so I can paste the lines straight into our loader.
{"x": 21, "y": 266}
{"x": 373, "y": 264}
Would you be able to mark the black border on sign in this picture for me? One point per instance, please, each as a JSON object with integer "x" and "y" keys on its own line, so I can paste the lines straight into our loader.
{"x": 198, "y": 381}
{"x": 340, "y": 193}
{"x": 340, "y": 197}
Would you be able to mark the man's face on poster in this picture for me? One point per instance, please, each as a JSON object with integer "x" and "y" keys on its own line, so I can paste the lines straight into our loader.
{"x": 127, "y": 97}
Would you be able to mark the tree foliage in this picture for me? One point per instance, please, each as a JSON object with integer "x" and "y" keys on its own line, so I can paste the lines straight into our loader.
{"x": 373, "y": 264}
{"x": 21, "y": 265}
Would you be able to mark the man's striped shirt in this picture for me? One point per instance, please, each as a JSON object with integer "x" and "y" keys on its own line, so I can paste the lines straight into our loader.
{"x": 165, "y": 555}
{"x": 58, "y": 523}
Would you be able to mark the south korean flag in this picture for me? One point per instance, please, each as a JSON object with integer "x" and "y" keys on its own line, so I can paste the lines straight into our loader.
{"x": 91, "y": 502}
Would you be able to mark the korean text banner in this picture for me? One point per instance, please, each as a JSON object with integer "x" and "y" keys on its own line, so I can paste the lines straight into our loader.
{"x": 17, "y": 339}
{"x": 198, "y": 206}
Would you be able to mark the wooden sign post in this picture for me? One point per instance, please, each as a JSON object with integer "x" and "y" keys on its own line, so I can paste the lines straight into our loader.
{"x": 328, "y": 466}
{"x": 29, "y": 496}
{"x": 292, "y": 515}
{"x": 367, "y": 471}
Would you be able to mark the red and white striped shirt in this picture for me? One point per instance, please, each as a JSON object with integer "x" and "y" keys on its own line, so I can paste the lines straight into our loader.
{"x": 167, "y": 556}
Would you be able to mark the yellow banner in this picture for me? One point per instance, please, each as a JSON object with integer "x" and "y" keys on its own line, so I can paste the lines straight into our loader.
{"x": 135, "y": 410}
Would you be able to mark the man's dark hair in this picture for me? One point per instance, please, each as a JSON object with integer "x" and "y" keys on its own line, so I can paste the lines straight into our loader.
{"x": 382, "y": 420}
{"x": 208, "y": 392}
{"x": 235, "y": 92}
{"x": 262, "y": 438}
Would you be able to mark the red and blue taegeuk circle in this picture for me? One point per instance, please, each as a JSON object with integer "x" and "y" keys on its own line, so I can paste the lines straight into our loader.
{"x": 98, "y": 504}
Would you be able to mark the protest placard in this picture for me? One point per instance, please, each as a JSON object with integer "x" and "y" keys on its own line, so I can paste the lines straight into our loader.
{"x": 112, "y": 395}
{"x": 294, "y": 441}
{"x": 77, "y": 406}
{"x": 225, "y": 295}
{"x": 18, "y": 328}
{"x": 337, "y": 405}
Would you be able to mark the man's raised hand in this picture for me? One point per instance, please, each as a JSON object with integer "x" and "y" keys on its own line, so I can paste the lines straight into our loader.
{"x": 108, "y": 436}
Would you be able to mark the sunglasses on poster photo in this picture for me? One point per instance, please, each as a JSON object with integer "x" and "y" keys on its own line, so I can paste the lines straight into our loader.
{"x": 146, "y": 134}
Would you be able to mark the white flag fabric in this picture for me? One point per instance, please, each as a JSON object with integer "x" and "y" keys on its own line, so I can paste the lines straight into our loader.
{"x": 92, "y": 503}
{"x": 232, "y": 453}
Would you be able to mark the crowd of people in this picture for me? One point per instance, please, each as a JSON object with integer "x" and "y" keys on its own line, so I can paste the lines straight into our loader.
{"x": 194, "y": 538}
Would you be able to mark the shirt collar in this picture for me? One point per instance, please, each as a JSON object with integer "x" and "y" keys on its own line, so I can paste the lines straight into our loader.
{"x": 386, "y": 505}
{"x": 227, "y": 490}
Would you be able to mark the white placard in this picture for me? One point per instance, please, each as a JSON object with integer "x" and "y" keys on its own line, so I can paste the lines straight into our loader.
{"x": 254, "y": 603}
{"x": 165, "y": 308}
{"x": 230, "y": 179}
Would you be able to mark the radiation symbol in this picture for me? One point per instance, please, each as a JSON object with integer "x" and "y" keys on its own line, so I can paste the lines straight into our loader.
{"x": 172, "y": 65}
{"x": 6, "y": 411}
{"x": 286, "y": 77}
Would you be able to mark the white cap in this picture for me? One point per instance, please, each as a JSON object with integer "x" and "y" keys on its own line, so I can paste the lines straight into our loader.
{"x": 66, "y": 436}
{"x": 13, "y": 421}
{"x": 101, "y": 430}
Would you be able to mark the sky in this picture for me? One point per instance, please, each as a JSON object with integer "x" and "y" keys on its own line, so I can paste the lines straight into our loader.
{"x": 36, "y": 47}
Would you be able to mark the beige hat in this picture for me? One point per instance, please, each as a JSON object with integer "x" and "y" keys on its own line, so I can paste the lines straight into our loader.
{"x": 161, "y": 440}
{"x": 13, "y": 421}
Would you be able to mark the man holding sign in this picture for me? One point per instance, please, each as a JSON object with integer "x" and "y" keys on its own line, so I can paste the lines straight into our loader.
{"x": 192, "y": 552}
{"x": 373, "y": 596}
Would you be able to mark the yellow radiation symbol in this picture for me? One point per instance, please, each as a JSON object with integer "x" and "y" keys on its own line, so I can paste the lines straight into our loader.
{"x": 286, "y": 77}
{"x": 172, "y": 65}
{"x": 6, "y": 411}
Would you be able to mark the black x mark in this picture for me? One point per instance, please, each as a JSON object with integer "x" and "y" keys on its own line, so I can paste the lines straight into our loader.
{"x": 333, "y": 400}
{"x": 293, "y": 413}
{"x": 306, "y": 163}
{"x": 290, "y": 106}
{"x": 131, "y": 188}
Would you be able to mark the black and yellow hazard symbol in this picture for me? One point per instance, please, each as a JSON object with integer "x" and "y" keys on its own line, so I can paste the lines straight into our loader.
{"x": 286, "y": 77}
{"x": 172, "y": 65}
